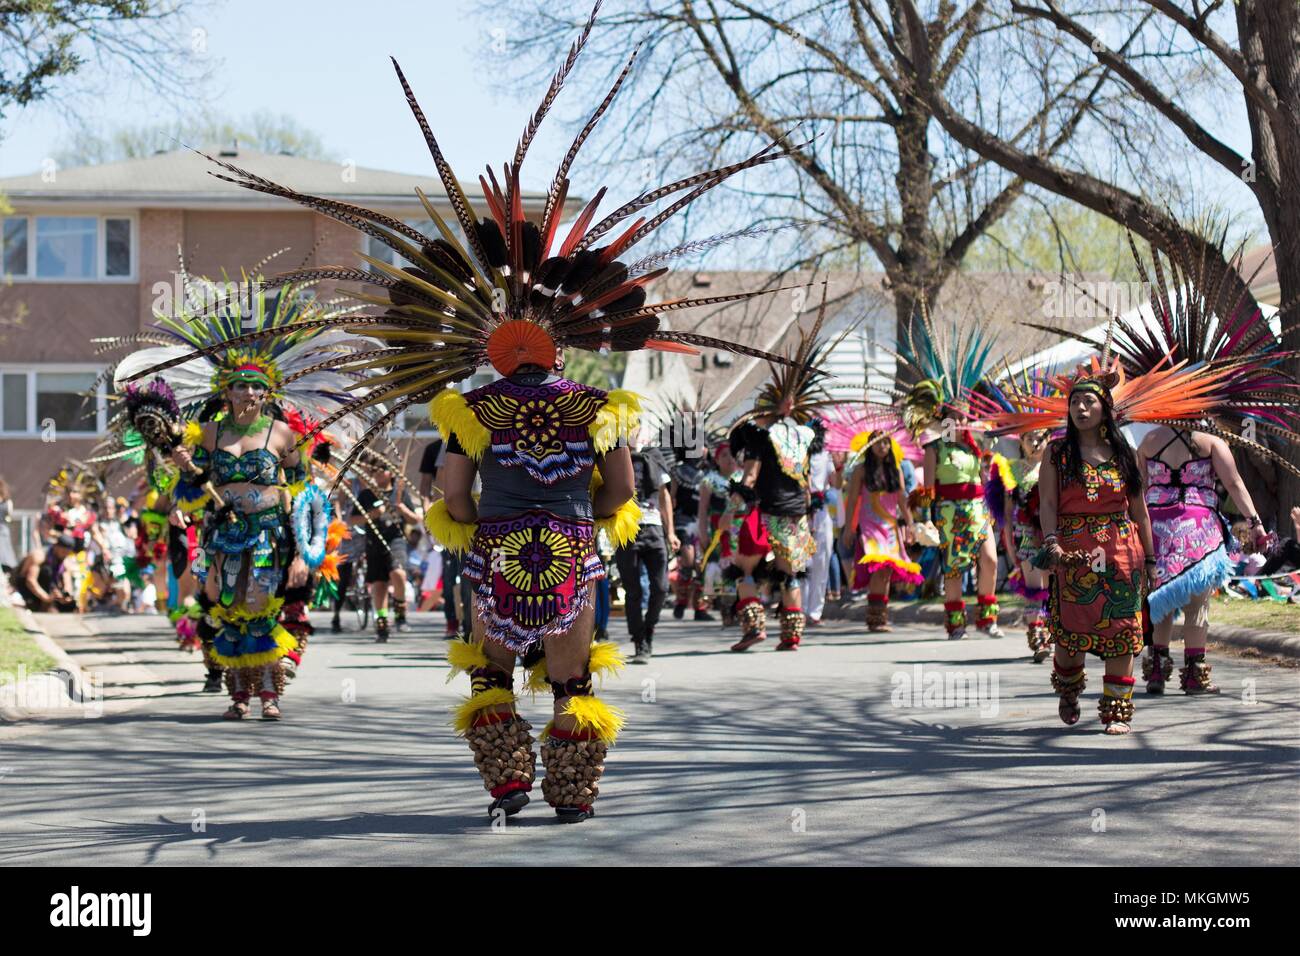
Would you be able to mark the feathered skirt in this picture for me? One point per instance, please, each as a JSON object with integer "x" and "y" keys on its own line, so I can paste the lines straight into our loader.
{"x": 255, "y": 545}
{"x": 1191, "y": 555}
{"x": 533, "y": 574}
{"x": 878, "y": 544}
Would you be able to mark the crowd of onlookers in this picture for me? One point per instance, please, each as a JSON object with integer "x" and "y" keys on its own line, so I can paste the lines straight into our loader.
{"x": 87, "y": 550}
{"x": 1271, "y": 574}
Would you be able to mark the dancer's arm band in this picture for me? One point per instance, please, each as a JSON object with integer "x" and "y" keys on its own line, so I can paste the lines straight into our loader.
{"x": 747, "y": 494}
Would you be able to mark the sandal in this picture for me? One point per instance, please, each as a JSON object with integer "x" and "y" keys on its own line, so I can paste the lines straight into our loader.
{"x": 270, "y": 710}
{"x": 1117, "y": 728}
{"x": 238, "y": 710}
{"x": 1069, "y": 691}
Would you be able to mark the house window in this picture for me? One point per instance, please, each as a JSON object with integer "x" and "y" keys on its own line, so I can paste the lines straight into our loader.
{"x": 13, "y": 401}
{"x": 61, "y": 399}
{"x": 14, "y": 241}
{"x": 117, "y": 247}
{"x": 68, "y": 401}
{"x": 68, "y": 248}
{"x": 65, "y": 247}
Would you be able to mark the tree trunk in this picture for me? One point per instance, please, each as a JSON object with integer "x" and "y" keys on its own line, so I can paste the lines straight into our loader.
{"x": 907, "y": 316}
{"x": 1270, "y": 40}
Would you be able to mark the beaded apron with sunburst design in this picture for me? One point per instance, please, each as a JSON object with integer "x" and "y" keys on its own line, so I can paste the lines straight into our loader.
{"x": 532, "y": 572}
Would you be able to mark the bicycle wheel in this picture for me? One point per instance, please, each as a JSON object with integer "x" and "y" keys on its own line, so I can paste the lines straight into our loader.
{"x": 360, "y": 596}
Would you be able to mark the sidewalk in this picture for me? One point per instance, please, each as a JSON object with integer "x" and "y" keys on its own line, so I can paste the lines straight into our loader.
{"x": 93, "y": 676}
{"x": 1267, "y": 643}
{"x": 63, "y": 690}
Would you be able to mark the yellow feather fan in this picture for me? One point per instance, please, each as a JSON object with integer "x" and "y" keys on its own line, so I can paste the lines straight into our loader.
{"x": 475, "y": 704}
{"x": 464, "y": 656}
{"x": 622, "y": 526}
{"x": 592, "y": 714}
{"x": 605, "y": 658}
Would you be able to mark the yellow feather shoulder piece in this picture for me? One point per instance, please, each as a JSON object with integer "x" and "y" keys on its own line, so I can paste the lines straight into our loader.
{"x": 622, "y": 526}
{"x": 451, "y": 534}
{"x": 616, "y": 420}
{"x": 605, "y": 658}
{"x": 593, "y": 714}
{"x": 451, "y": 414}
{"x": 193, "y": 434}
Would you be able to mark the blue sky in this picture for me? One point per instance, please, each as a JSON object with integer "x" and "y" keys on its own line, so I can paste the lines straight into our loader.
{"x": 326, "y": 63}
{"x": 353, "y": 101}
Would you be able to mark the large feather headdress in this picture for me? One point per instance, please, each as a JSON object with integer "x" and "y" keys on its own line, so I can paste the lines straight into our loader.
{"x": 503, "y": 289}
{"x": 283, "y": 336}
{"x": 1013, "y": 390}
{"x": 947, "y": 361}
{"x": 796, "y": 387}
{"x": 1197, "y": 315}
{"x": 1172, "y": 393}
{"x": 854, "y": 428}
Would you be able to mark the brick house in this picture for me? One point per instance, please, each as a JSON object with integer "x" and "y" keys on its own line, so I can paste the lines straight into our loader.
{"x": 87, "y": 251}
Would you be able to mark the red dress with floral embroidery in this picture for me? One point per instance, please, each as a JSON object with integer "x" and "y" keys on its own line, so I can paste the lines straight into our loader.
{"x": 1096, "y": 605}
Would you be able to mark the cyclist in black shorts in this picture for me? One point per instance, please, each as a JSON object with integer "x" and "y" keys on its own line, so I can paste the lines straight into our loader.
{"x": 386, "y": 551}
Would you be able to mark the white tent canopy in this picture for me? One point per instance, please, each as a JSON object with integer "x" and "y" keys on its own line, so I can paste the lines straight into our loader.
{"x": 1067, "y": 354}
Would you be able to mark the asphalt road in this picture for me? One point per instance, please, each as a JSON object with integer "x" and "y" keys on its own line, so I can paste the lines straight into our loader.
{"x": 836, "y": 754}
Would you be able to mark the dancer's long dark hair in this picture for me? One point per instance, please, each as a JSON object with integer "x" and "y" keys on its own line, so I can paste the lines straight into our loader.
{"x": 1069, "y": 461}
{"x": 880, "y": 474}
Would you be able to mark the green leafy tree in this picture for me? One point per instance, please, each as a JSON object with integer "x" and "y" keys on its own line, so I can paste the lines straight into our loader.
{"x": 1054, "y": 237}
{"x": 44, "y": 42}
{"x": 263, "y": 131}
{"x": 591, "y": 368}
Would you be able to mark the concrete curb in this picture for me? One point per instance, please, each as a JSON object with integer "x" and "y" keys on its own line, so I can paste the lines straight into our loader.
{"x": 1272, "y": 643}
{"x": 67, "y": 673}
{"x": 1266, "y": 642}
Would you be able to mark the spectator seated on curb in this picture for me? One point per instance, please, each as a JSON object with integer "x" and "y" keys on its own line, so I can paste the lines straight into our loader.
{"x": 41, "y": 578}
{"x": 1286, "y": 556}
